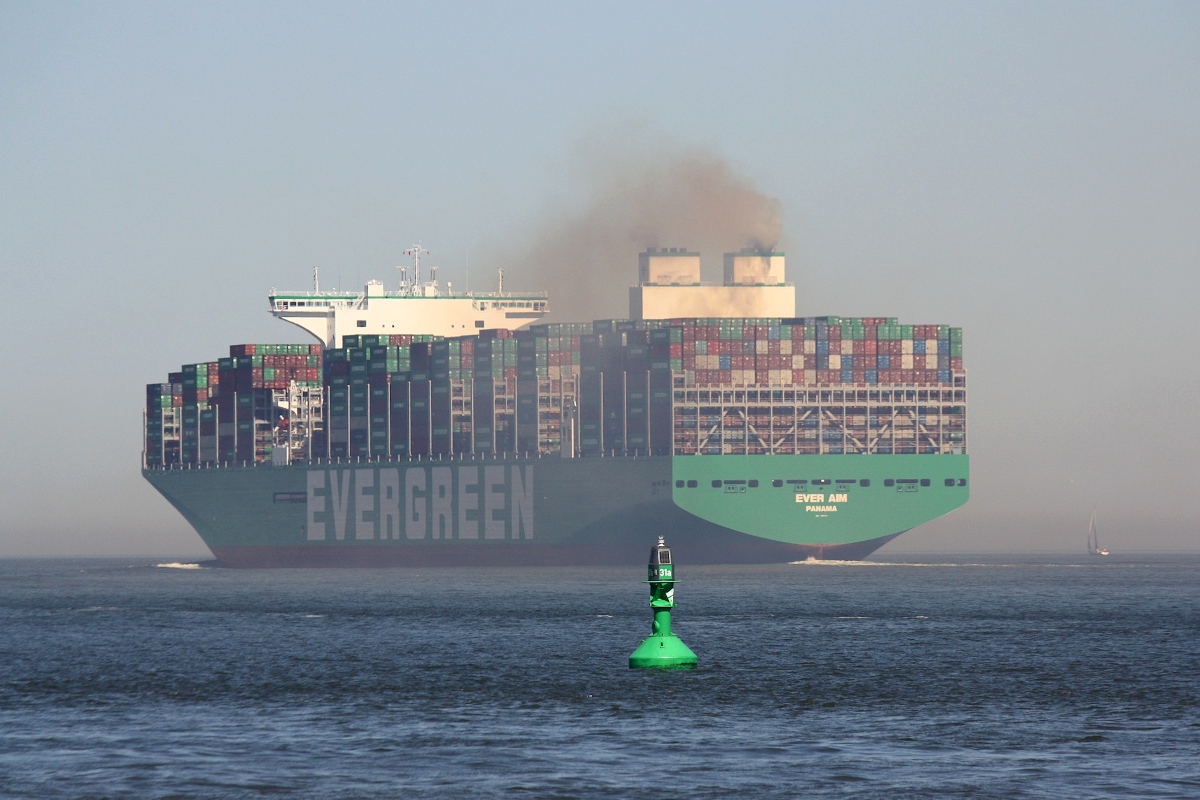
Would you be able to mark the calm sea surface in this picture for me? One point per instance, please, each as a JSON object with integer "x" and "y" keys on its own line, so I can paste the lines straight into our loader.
{"x": 945, "y": 677}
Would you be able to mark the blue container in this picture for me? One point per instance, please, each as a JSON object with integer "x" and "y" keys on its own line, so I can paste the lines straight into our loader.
{"x": 918, "y": 347}
{"x": 943, "y": 376}
{"x": 823, "y": 347}
{"x": 884, "y": 361}
{"x": 725, "y": 362}
{"x": 847, "y": 363}
{"x": 943, "y": 346}
{"x": 822, "y": 362}
{"x": 847, "y": 376}
{"x": 872, "y": 376}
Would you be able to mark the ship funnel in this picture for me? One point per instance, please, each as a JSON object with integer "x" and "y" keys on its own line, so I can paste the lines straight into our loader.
{"x": 751, "y": 267}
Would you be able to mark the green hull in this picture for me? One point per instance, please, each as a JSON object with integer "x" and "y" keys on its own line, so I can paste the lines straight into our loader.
{"x": 562, "y": 511}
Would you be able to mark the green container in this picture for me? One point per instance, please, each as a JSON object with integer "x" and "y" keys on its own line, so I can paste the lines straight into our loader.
{"x": 956, "y": 349}
{"x": 956, "y": 335}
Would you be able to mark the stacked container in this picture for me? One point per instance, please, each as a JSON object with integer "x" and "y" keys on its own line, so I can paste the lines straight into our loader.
{"x": 610, "y": 387}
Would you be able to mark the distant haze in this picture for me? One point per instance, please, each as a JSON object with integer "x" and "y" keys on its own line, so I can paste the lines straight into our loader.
{"x": 632, "y": 196}
{"x": 1028, "y": 171}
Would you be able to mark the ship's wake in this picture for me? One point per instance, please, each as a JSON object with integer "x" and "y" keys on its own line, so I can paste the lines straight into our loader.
{"x": 829, "y": 562}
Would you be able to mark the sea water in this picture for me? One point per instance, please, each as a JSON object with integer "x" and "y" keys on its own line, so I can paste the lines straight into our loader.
{"x": 945, "y": 676}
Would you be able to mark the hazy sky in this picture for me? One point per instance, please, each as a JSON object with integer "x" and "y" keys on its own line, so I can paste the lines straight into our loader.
{"x": 1029, "y": 171}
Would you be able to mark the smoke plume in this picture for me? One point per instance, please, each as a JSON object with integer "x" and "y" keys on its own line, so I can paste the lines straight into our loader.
{"x": 586, "y": 256}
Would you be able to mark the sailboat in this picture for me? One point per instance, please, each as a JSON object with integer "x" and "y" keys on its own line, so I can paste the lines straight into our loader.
{"x": 1094, "y": 548}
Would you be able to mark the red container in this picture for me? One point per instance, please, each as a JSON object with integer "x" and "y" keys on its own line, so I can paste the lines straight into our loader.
{"x": 919, "y": 362}
{"x": 860, "y": 376}
{"x": 676, "y": 349}
{"x": 956, "y": 362}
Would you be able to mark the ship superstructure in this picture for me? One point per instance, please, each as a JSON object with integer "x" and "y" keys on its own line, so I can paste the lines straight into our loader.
{"x": 416, "y": 306}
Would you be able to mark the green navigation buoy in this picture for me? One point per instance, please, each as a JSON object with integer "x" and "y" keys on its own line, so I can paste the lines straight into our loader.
{"x": 663, "y": 650}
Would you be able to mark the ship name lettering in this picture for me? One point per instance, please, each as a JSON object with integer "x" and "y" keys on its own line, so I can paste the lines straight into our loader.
{"x": 364, "y": 499}
{"x": 389, "y": 496}
{"x": 810, "y": 498}
{"x": 314, "y": 530}
{"x": 418, "y": 503}
{"x": 415, "y": 519}
{"x": 820, "y": 508}
{"x": 339, "y": 494}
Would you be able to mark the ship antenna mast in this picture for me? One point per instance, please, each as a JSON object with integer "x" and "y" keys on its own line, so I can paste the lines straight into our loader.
{"x": 316, "y": 280}
{"x": 416, "y": 251}
{"x": 500, "y": 289}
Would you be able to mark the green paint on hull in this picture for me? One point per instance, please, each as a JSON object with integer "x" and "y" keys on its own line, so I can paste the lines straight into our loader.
{"x": 820, "y": 513}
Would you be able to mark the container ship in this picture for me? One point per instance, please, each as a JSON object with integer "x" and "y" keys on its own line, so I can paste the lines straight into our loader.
{"x": 428, "y": 428}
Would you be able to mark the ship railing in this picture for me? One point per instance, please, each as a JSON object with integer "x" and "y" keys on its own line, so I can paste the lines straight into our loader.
{"x": 352, "y": 295}
{"x": 722, "y": 284}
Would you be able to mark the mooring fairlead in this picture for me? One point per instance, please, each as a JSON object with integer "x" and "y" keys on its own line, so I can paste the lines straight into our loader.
{"x": 663, "y": 649}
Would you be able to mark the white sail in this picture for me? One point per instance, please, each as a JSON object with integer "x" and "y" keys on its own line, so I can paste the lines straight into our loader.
{"x": 1094, "y": 547}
